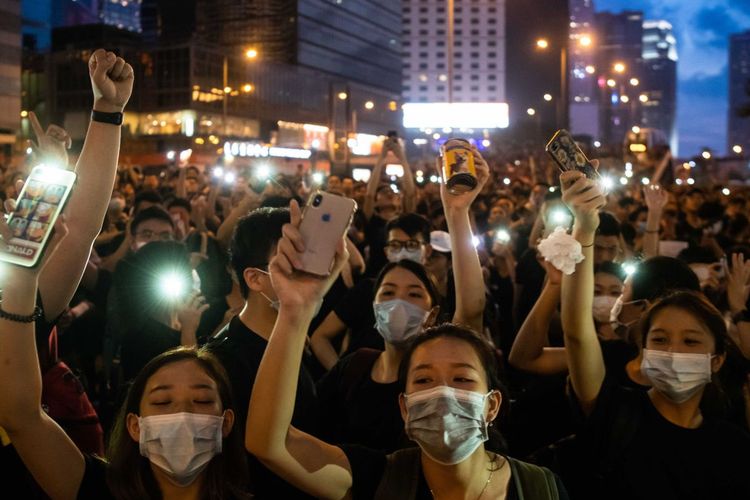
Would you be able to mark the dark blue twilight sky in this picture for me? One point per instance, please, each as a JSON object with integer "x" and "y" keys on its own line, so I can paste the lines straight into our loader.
{"x": 702, "y": 29}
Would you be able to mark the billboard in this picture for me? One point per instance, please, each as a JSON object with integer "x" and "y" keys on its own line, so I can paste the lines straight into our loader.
{"x": 456, "y": 115}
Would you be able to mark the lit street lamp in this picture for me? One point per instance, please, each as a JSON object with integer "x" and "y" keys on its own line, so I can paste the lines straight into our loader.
{"x": 619, "y": 67}
{"x": 249, "y": 54}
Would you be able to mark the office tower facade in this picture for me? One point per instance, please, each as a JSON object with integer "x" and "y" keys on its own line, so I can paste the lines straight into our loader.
{"x": 582, "y": 92}
{"x": 619, "y": 73}
{"x": 657, "y": 96}
{"x": 738, "y": 133}
{"x": 467, "y": 67}
{"x": 10, "y": 73}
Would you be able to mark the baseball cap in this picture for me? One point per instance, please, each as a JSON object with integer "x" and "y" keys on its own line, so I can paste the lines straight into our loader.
{"x": 440, "y": 241}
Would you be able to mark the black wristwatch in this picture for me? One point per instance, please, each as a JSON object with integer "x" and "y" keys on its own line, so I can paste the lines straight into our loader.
{"x": 741, "y": 317}
{"x": 111, "y": 118}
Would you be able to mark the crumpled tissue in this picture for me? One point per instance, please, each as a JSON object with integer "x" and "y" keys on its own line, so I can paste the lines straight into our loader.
{"x": 561, "y": 250}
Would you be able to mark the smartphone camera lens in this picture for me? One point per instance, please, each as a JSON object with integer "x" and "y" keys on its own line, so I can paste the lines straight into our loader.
{"x": 316, "y": 201}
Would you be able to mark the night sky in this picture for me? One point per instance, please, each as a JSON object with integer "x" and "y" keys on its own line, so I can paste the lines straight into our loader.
{"x": 702, "y": 30}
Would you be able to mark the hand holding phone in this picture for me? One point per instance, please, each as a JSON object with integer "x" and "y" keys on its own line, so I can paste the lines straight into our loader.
{"x": 40, "y": 203}
{"x": 325, "y": 220}
{"x": 568, "y": 156}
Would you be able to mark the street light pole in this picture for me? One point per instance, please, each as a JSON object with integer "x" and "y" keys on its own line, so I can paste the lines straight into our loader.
{"x": 563, "y": 115}
{"x": 225, "y": 83}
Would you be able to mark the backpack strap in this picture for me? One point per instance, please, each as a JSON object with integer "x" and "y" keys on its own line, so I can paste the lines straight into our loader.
{"x": 533, "y": 482}
{"x": 359, "y": 366}
{"x": 401, "y": 476}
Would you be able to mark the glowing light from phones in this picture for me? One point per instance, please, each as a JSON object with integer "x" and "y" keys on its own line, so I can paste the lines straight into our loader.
{"x": 318, "y": 177}
{"x": 433, "y": 178}
{"x": 628, "y": 174}
{"x": 607, "y": 182}
{"x": 552, "y": 189}
{"x": 186, "y": 154}
{"x": 503, "y": 236}
{"x": 645, "y": 181}
{"x": 172, "y": 286}
{"x": 29, "y": 150}
{"x": 623, "y": 180}
{"x": 263, "y": 172}
{"x": 629, "y": 268}
{"x": 475, "y": 241}
{"x": 560, "y": 218}
{"x": 531, "y": 111}
{"x": 691, "y": 181}
{"x": 678, "y": 182}
{"x": 170, "y": 155}
{"x": 547, "y": 97}
{"x": 726, "y": 192}
{"x": 506, "y": 181}
{"x": 486, "y": 143}
{"x": 218, "y": 172}
{"x": 597, "y": 144}
{"x": 636, "y": 129}
{"x": 229, "y": 177}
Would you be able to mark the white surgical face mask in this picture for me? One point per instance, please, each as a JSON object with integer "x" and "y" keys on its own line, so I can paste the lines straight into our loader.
{"x": 181, "y": 444}
{"x": 412, "y": 255}
{"x": 678, "y": 375}
{"x": 397, "y": 320}
{"x": 602, "y": 307}
{"x": 448, "y": 424}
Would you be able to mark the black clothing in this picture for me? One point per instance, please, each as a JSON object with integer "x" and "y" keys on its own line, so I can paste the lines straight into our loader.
{"x": 376, "y": 238}
{"x": 641, "y": 455}
{"x": 240, "y": 351}
{"x": 94, "y": 482}
{"x": 355, "y": 409}
{"x": 356, "y": 312}
{"x": 143, "y": 343}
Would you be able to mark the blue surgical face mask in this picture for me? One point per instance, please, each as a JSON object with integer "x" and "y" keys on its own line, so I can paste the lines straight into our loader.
{"x": 677, "y": 375}
{"x": 397, "y": 320}
{"x": 448, "y": 424}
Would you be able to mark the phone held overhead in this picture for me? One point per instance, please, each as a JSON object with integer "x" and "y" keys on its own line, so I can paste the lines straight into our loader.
{"x": 325, "y": 220}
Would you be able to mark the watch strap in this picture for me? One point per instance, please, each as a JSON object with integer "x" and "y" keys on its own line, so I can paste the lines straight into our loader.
{"x": 111, "y": 118}
{"x": 741, "y": 317}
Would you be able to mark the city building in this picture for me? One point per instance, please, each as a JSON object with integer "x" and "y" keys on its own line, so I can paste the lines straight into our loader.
{"x": 619, "y": 73}
{"x": 657, "y": 92}
{"x": 583, "y": 98}
{"x": 538, "y": 32}
{"x": 739, "y": 94}
{"x": 10, "y": 75}
{"x": 467, "y": 65}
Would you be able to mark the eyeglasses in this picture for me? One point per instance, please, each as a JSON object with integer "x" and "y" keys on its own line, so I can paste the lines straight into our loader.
{"x": 410, "y": 245}
{"x": 151, "y": 235}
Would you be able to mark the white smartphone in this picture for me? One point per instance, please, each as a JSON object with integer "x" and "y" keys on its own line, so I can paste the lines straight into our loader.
{"x": 325, "y": 219}
{"x": 40, "y": 203}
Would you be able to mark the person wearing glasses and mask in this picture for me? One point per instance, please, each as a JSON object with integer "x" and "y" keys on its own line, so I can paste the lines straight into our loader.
{"x": 450, "y": 397}
{"x": 657, "y": 443}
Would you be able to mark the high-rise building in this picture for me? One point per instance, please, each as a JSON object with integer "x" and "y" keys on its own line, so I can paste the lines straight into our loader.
{"x": 536, "y": 73}
{"x": 582, "y": 92}
{"x": 10, "y": 73}
{"x": 739, "y": 92}
{"x": 477, "y": 52}
{"x": 124, "y": 14}
{"x": 657, "y": 92}
{"x": 619, "y": 73}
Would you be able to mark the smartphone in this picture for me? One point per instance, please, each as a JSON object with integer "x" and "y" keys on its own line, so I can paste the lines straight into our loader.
{"x": 566, "y": 153}
{"x": 325, "y": 219}
{"x": 40, "y": 203}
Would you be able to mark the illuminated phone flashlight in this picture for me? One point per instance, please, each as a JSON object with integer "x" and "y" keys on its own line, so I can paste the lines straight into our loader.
{"x": 264, "y": 172}
{"x": 229, "y": 178}
{"x": 475, "y": 241}
{"x": 560, "y": 218}
{"x": 607, "y": 182}
{"x": 433, "y": 178}
{"x": 318, "y": 177}
{"x": 506, "y": 181}
{"x": 218, "y": 172}
{"x": 502, "y": 236}
{"x": 172, "y": 286}
{"x": 630, "y": 268}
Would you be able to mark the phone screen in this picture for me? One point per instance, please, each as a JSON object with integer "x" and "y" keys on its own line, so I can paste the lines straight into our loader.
{"x": 41, "y": 201}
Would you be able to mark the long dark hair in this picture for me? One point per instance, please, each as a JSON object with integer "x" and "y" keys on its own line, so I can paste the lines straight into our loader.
{"x": 129, "y": 474}
{"x": 487, "y": 355}
{"x": 417, "y": 270}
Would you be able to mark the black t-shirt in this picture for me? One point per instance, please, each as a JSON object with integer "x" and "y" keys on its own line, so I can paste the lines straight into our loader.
{"x": 376, "y": 238}
{"x": 143, "y": 343}
{"x": 617, "y": 354}
{"x": 240, "y": 351}
{"x": 657, "y": 459}
{"x": 355, "y": 311}
{"x": 94, "y": 482}
{"x": 530, "y": 274}
{"x": 368, "y": 467}
{"x": 357, "y": 410}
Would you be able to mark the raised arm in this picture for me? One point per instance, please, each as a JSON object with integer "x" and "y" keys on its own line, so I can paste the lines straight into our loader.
{"x": 585, "y": 361}
{"x": 47, "y": 452}
{"x": 308, "y": 463}
{"x": 250, "y": 202}
{"x": 321, "y": 341}
{"x": 530, "y": 352}
{"x": 372, "y": 184}
{"x": 738, "y": 289}
{"x": 112, "y": 83}
{"x": 467, "y": 270}
{"x": 410, "y": 188}
{"x": 656, "y": 198}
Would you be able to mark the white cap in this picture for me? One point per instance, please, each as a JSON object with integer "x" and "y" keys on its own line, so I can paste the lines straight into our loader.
{"x": 440, "y": 241}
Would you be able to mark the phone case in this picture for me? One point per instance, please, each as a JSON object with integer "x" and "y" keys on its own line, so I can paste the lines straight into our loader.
{"x": 566, "y": 153}
{"x": 323, "y": 225}
{"x": 41, "y": 201}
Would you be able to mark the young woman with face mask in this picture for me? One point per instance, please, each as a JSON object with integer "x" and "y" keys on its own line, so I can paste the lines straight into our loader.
{"x": 358, "y": 396}
{"x": 654, "y": 444}
{"x": 450, "y": 399}
{"x": 172, "y": 440}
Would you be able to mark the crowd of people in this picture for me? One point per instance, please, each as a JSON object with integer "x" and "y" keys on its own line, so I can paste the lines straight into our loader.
{"x": 539, "y": 336}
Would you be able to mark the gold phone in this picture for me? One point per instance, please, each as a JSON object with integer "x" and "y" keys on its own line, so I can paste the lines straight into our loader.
{"x": 325, "y": 220}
